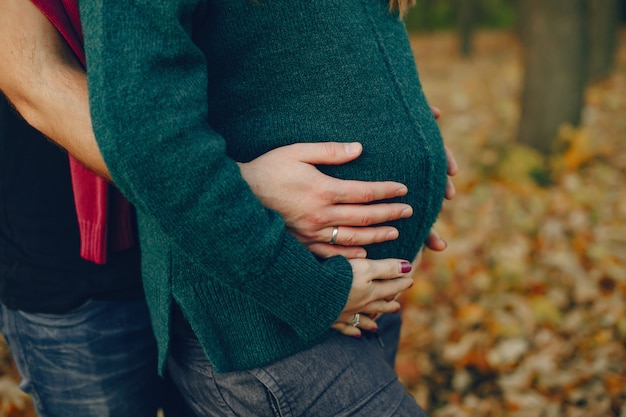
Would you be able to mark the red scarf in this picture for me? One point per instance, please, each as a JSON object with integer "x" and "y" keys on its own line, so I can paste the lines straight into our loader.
{"x": 104, "y": 215}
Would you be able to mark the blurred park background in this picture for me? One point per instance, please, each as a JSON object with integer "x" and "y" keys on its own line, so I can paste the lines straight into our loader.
{"x": 524, "y": 314}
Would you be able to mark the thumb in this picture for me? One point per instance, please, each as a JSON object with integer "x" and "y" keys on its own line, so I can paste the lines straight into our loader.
{"x": 327, "y": 153}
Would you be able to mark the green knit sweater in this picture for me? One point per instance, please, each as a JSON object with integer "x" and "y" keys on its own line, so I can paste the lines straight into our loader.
{"x": 181, "y": 89}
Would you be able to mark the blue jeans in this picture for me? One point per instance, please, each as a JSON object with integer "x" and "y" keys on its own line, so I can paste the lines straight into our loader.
{"x": 340, "y": 377}
{"x": 97, "y": 360}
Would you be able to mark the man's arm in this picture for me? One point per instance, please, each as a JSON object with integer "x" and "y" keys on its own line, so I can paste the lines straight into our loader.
{"x": 40, "y": 75}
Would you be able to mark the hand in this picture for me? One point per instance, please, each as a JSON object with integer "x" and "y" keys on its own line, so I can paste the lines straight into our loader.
{"x": 453, "y": 168}
{"x": 434, "y": 241}
{"x": 286, "y": 180}
{"x": 376, "y": 285}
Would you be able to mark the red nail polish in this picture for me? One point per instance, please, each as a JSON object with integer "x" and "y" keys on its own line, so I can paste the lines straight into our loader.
{"x": 405, "y": 267}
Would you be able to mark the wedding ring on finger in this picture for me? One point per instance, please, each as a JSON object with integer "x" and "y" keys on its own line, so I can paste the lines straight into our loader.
{"x": 333, "y": 237}
{"x": 356, "y": 320}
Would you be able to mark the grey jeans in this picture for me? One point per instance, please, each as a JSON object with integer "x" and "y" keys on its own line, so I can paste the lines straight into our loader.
{"x": 340, "y": 377}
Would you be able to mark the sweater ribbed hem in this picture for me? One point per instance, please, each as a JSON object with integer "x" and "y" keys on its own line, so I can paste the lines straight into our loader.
{"x": 237, "y": 330}
{"x": 93, "y": 241}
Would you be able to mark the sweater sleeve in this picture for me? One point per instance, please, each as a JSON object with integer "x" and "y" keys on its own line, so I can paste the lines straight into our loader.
{"x": 148, "y": 85}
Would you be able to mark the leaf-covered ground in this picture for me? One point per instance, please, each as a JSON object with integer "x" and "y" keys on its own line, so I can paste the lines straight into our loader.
{"x": 524, "y": 314}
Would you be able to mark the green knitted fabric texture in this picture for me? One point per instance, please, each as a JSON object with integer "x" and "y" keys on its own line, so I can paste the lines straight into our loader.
{"x": 181, "y": 89}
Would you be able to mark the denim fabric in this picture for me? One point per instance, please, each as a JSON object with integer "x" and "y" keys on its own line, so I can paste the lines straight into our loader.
{"x": 339, "y": 377}
{"x": 389, "y": 335}
{"x": 97, "y": 360}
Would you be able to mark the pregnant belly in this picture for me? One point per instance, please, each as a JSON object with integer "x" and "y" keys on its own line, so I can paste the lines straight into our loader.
{"x": 401, "y": 140}
{"x": 406, "y": 148}
{"x": 420, "y": 164}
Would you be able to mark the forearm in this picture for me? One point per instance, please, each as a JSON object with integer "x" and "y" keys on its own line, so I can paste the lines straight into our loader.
{"x": 59, "y": 108}
{"x": 43, "y": 80}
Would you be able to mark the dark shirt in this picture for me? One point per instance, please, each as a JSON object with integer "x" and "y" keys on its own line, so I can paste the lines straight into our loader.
{"x": 40, "y": 266}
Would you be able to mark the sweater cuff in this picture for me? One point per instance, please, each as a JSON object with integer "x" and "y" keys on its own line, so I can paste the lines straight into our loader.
{"x": 93, "y": 241}
{"x": 312, "y": 293}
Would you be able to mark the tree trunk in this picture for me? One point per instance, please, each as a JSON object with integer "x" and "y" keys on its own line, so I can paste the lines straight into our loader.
{"x": 521, "y": 19}
{"x": 555, "y": 69}
{"x": 466, "y": 20}
{"x": 604, "y": 18}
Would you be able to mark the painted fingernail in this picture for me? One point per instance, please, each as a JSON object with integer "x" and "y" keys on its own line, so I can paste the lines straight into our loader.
{"x": 405, "y": 267}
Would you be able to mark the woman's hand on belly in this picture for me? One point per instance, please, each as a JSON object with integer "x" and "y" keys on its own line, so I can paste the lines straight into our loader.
{"x": 313, "y": 204}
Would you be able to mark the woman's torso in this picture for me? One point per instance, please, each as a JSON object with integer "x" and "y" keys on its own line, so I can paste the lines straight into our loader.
{"x": 333, "y": 71}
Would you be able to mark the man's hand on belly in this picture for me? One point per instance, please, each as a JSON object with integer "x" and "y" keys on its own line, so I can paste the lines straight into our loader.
{"x": 313, "y": 204}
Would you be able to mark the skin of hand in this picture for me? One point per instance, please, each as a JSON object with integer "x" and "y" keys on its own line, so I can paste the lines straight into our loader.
{"x": 375, "y": 286}
{"x": 312, "y": 202}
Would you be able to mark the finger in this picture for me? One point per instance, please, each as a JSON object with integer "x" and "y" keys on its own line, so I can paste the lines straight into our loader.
{"x": 325, "y": 153}
{"x": 351, "y": 191}
{"x": 365, "y": 321}
{"x": 361, "y": 236}
{"x": 378, "y": 307}
{"x": 347, "y": 329}
{"x": 380, "y": 269}
{"x": 358, "y": 236}
{"x": 360, "y": 215}
{"x": 375, "y": 316}
{"x": 355, "y": 222}
{"x": 453, "y": 167}
{"x": 435, "y": 242}
{"x": 384, "y": 289}
{"x": 436, "y": 111}
{"x": 394, "y": 298}
{"x": 450, "y": 190}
